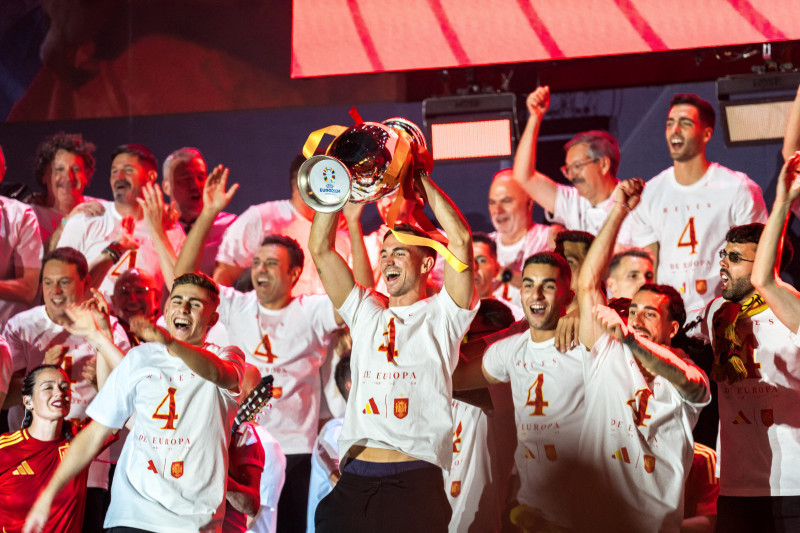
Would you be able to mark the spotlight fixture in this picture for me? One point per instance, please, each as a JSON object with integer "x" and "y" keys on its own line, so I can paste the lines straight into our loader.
{"x": 754, "y": 108}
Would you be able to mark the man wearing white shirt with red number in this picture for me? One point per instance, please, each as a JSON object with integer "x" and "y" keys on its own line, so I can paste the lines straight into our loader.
{"x": 396, "y": 438}
{"x": 292, "y": 218}
{"x": 687, "y": 209}
{"x": 119, "y": 239}
{"x": 643, "y": 398}
{"x": 171, "y": 475}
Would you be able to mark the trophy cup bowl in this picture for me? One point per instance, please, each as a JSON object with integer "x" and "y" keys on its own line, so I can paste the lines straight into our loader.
{"x": 361, "y": 155}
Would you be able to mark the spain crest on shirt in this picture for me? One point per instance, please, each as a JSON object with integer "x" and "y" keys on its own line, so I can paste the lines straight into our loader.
{"x": 767, "y": 418}
{"x": 649, "y": 463}
{"x": 277, "y": 392}
{"x": 701, "y": 285}
{"x": 177, "y": 469}
{"x": 455, "y": 489}
{"x": 400, "y": 407}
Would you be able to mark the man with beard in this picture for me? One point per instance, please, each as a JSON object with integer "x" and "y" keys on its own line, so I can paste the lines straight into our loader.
{"x": 753, "y": 328}
{"x": 686, "y": 210}
{"x": 119, "y": 239}
{"x": 547, "y": 390}
{"x": 642, "y": 396}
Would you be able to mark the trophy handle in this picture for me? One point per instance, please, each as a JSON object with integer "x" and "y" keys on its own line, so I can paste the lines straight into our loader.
{"x": 324, "y": 183}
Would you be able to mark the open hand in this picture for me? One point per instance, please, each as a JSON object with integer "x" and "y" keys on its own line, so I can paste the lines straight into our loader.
{"x": 215, "y": 197}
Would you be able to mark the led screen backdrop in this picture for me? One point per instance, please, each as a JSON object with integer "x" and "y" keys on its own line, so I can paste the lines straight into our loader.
{"x": 331, "y": 37}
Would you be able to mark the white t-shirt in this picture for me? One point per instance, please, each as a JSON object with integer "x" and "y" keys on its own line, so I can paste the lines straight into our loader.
{"x": 758, "y": 448}
{"x": 690, "y": 223}
{"x": 49, "y": 219}
{"x": 288, "y": 343}
{"x": 402, "y": 363}
{"x": 91, "y": 235}
{"x": 575, "y": 212}
{"x": 326, "y": 452}
{"x": 548, "y": 392}
{"x": 20, "y": 247}
{"x": 212, "y": 243}
{"x": 513, "y": 256}
{"x": 243, "y": 239}
{"x": 174, "y": 465}
{"x": 272, "y": 478}
{"x": 638, "y": 441}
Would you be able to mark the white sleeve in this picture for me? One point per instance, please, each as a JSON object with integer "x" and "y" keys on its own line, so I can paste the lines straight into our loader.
{"x": 235, "y": 356}
{"x": 566, "y": 207}
{"x": 494, "y": 362}
{"x": 644, "y": 233}
{"x": 749, "y": 205}
{"x": 28, "y": 251}
{"x": 85, "y": 235}
{"x": 114, "y": 403}
{"x": 16, "y": 344}
{"x": 5, "y": 366}
{"x": 323, "y": 315}
{"x": 242, "y": 239}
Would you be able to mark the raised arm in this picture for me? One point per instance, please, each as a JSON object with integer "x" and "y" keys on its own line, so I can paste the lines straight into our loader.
{"x": 782, "y": 298}
{"x": 791, "y": 139}
{"x": 205, "y": 364}
{"x": 590, "y": 280}
{"x": 459, "y": 285}
{"x": 156, "y": 217}
{"x": 541, "y": 188}
{"x": 362, "y": 269}
{"x": 215, "y": 199}
{"x": 336, "y": 276}
{"x": 655, "y": 358}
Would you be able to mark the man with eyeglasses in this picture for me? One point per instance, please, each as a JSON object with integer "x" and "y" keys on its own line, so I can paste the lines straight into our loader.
{"x": 687, "y": 208}
{"x": 755, "y": 360}
{"x": 591, "y": 164}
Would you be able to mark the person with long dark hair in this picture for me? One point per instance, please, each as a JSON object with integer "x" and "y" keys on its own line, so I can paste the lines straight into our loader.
{"x": 30, "y": 456}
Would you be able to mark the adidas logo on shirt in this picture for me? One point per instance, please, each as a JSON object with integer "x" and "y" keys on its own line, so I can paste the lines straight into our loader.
{"x": 371, "y": 408}
{"x": 23, "y": 469}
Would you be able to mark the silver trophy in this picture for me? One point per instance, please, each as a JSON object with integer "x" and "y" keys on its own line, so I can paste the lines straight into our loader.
{"x": 363, "y": 164}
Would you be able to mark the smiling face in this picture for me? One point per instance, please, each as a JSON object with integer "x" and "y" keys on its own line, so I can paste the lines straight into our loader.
{"x": 61, "y": 285}
{"x": 685, "y": 133}
{"x": 649, "y": 315}
{"x": 66, "y": 180}
{"x": 585, "y": 172}
{"x": 189, "y": 312}
{"x": 128, "y": 177}
{"x": 50, "y": 398}
{"x": 403, "y": 268}
{"x": 273, "y": 276}
{"x": 510, "y": 208}
{"x": 544, "y": 299}
{"x": 736, "y": 286}
{"x": 185, "y": 186}
{"x": 136, "y": 294}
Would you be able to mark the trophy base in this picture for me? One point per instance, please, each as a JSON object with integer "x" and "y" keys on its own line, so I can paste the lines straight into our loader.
{"x": 324, "y": 183}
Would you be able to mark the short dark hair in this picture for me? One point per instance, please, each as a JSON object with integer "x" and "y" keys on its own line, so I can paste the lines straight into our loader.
{"x": 706, "y": 111}
{"x": 600, "y": 144}
{"x": 146, "y": 157}
{"x": 572, "y": 236}
{"x": 630, "y": 252}
{"x": 427, "y": 251}
{"x": 552, "y": 259}
{"x": 751, "y": 234}
{"x": 198, "y": 279}
{"x": 677, "y": 311}
{"x": 479, "y": 236}
{"x": 495, "y": 314}
{"x": 68, "y": 255}
{"x": 70, "y": 142}
{"x": 341, "y": 374}
{"x": 294, "y": 168}
{"x": 296, "y": 256}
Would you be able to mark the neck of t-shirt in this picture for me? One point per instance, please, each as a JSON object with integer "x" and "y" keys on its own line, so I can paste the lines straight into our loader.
{"x": 692, "y": 171}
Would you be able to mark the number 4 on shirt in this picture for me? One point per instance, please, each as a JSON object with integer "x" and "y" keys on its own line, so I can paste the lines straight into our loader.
{"x": 172, "y": 414}
{"x": 692, "y": 240}
{"x": 126, "y": 262}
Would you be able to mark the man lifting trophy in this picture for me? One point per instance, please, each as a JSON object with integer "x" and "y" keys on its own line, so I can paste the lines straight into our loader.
{"x": 396, "y": 438}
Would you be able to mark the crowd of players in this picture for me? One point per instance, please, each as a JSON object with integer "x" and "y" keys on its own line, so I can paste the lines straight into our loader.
{"x": 541, "y": 378}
